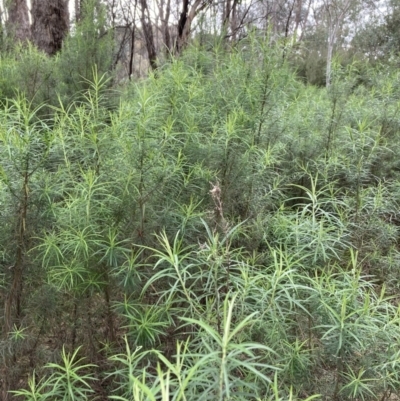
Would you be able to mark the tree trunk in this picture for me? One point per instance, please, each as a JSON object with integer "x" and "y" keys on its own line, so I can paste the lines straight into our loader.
{"x": 331, "y": 43}
{"x": 227, "y": 15}
{"x": 165, "y": 24}
{"x": 186, "y": 19}
{"x": 133, "y": 38}
{"x": 50, "y": 24}
{"x": 18, "y": 25}
{"x": 148, "y": 34}
{"x": 182, "y": 23}
{"x": 234, "y": 22}
{"x": 336, "y": 12}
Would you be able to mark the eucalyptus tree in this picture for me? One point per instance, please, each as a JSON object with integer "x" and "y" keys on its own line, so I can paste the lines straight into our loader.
{"x": 378, "y": 38}
{"x": 336, "y": 12}
{"x": 50, "y": 24}
{"x": 148, "y": 34}
{"x": 187, "y": 15}
{"x": 18, "y": 24}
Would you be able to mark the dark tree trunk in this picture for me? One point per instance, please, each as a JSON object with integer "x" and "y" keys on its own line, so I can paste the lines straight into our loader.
{"x": 183, "y": 18}
{"x": 227, "y": 15}
{"x": 234, "y": 22}
{"x": 148, "y": 34}
{"x": 50, "y": 24}
{"x": 133, "y": 37}
{"x": 165, "y": 23}
{"x": 18, "y": 25}
{"x": 185, "y": 21}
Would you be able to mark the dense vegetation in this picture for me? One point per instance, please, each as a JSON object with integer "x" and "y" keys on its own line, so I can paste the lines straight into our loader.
{"x": 218, "y": 231}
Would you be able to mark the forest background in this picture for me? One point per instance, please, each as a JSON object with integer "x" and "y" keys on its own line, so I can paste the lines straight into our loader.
{"x": 199, "y": 200}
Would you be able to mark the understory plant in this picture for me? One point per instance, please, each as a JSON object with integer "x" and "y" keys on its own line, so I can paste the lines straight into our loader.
{"x": 226, "y": 232}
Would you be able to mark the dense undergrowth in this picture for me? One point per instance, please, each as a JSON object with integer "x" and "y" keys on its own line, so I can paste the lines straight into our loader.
{"x": 225, "y": 233}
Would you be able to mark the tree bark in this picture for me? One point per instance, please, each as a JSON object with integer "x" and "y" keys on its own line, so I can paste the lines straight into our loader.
{"x": 186, "y": 19}
{"x": 165, "y": 23}
{"x": 148, "y": 34}
{"x": 336, "y": 12}
{"x": 234, "y": 22}
{"x": 18, "y": 25}
{"x": 133, "y": 38}
{"x": 182, "y": 23}
{"x": 50, "y": 24}
{"x": 227, "y": 15}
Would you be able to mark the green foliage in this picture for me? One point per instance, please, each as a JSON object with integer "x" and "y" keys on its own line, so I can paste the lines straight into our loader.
{"x": 88, "y": 46}
{"x": 379, "y": 39}
{"x": 67, "y": 382}
{"x": 226, "y": 233}
{"x": 47, "y": 81}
